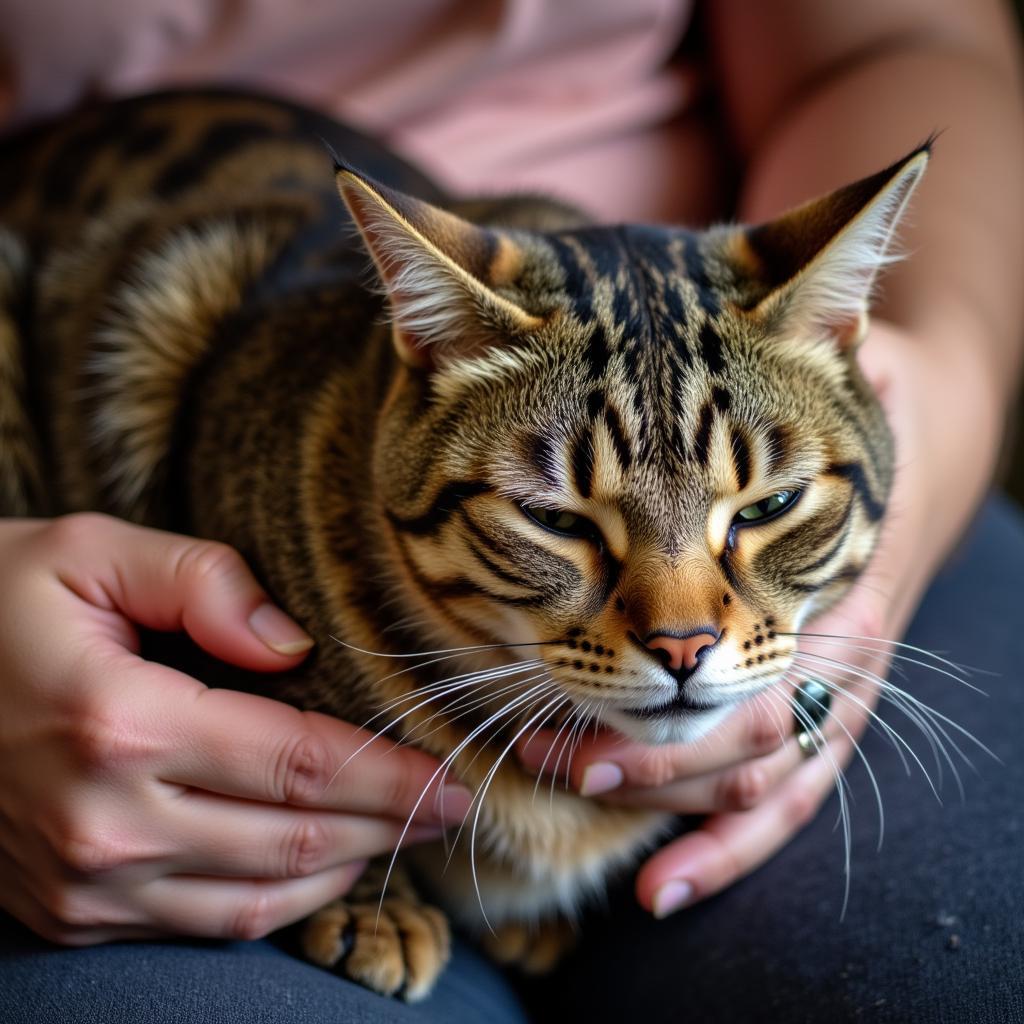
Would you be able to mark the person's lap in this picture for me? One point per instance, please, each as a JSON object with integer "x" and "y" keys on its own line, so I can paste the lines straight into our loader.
{"x": 931, "y": 932}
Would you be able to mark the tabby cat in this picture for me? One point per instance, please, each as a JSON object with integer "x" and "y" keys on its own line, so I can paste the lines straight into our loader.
{"x": 582, "y": 473}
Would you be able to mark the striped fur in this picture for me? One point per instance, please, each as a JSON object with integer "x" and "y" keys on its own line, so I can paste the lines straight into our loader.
{"x": 212, "y": 358}
{"x": 21, "y": 486}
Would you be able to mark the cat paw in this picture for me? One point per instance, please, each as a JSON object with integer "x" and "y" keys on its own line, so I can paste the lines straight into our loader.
{"x": 532, "y": 948}
{"x": 401, "y": 952}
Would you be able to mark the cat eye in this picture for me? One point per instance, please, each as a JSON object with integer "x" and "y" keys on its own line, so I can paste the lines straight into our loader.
{"x": 559, "y": 521}
{"x": 767, "y": 508}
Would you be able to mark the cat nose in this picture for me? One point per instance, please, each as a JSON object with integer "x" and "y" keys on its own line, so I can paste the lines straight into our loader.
{"x": 681, "y": 652}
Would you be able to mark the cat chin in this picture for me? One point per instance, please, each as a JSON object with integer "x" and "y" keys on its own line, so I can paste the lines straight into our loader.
{"x": 679, "y": 727}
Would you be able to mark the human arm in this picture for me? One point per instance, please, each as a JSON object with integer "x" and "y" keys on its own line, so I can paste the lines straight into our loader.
{"x": 817, "y": 95}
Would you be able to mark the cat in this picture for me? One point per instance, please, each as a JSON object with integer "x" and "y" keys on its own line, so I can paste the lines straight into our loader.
{"x": 565, "y": 473}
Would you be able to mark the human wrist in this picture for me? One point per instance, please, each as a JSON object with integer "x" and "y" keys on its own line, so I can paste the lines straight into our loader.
{"x": 946, "y": 416}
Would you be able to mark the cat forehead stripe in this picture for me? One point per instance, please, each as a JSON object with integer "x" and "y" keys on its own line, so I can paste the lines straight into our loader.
{"x": 741, "y": 456}
{"x": 582, "y": 462}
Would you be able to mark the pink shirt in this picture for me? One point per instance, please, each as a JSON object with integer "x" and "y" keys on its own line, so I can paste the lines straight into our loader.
{"x": 568, "y": 97}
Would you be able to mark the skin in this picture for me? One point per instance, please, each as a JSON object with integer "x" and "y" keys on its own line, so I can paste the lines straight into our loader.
{"x": 943, "y": 351}
{"x": 136, "y": 802}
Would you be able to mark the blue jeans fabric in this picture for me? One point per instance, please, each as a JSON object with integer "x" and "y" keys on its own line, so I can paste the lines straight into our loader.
{"x": 932, "y": 933}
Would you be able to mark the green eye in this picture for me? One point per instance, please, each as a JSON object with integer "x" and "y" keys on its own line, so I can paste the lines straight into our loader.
{"x": 766, "y": 508}
{"x": 559, "y": 521}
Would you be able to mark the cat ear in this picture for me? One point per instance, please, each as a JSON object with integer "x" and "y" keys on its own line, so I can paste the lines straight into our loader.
{"x": 818, "y": 263}
{"x": 439, "y": 271}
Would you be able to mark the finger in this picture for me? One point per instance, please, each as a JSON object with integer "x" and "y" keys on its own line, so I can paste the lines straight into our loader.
{"x": 247, "y": 746}
{"x": 37, "y": 918}
{"x": 738, "y": 788}
{"x": 168, "y": 582}
{"x": 61, "y": 913}
{"x": 75, "y": 935}
{"x": 220, "y": 837}
{"x": 728, "y": 846}
{"x": 609, "y": 761}
{"x": 228, "y": 909}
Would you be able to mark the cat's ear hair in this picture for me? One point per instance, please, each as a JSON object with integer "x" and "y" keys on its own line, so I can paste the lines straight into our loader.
{"x": 816, "y": 265}
{"x": 439, "y": 271}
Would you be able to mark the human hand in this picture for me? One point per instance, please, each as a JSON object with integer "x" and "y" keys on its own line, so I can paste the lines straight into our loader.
{"x": 134, "y": 801}
{"x": 749, "y": 776}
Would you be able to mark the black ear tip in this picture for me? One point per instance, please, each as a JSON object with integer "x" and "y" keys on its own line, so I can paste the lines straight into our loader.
{"x": 928, "y": 144}
{"x": 340, "y": 164}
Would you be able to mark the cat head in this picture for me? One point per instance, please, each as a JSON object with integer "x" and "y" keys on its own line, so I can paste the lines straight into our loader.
{"x": 645, "y": 454}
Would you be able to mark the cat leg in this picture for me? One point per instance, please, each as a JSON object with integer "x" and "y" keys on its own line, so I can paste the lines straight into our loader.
{"x": 395, "y": 946}
{"x": 533, "y": 948}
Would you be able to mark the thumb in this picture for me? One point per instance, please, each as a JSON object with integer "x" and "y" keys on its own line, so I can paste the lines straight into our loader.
{"x": 167, "y": 582}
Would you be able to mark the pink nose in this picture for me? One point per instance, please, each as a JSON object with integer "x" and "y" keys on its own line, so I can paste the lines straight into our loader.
{"x": 682, "y": 652}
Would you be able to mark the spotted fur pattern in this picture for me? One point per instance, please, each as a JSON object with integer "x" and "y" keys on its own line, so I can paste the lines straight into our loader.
{"x": 211, "y": 352}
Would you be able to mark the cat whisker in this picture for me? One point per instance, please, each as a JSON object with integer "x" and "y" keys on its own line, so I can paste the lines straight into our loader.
{"x": 449, "y": 718}
{"x": 450, "y": 847}
{"x": 471, "y": 681}
{"x": 535, "y": 691}
{"x": 477, "y": 754}
{"x": 566, "y": 724}
{"x": 461, "y": 677}
{"x": 935, "y": 717}
{"x": 435, "y": 661}
{"x": 551, "y": 746}
{"x": 496, "y": 717}
{"x": 576, "y": 717}
{"x": 906, "y": 659}
{"x": 577, "y": 742}
{"x": 876, "y": 722}
{"x": 773, "y": 700}
{"x": 443, "y": 650}
{"x": 481, "y": 796}
{"x": 540, "y": 675}
{"x": 544, "y": 689}
{"x": 917, "y": 718}
{"x": 822, "y": 750}
{"x": 441, "y": 691}
{"x": 917, "y": 712}
{"x": 473, "y": 702}
{"x": 958, "y": 671}
{"x": 840, "y": 692}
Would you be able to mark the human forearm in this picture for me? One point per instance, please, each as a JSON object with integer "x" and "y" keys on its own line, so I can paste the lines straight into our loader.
{"x": 817, "y": 94}
{"x": 965, "y": 231}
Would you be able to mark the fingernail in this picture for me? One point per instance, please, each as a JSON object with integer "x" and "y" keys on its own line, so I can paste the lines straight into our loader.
{"x": 600, "y": 777}
{"x": 278, "y": 632}
{"x": 453, "y": 805}
{"x": 672, "y": 896}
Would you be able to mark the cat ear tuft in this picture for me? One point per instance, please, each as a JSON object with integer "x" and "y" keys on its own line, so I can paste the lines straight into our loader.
{"x": 816, "y": 265}
{"x": 440, "y": 273}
